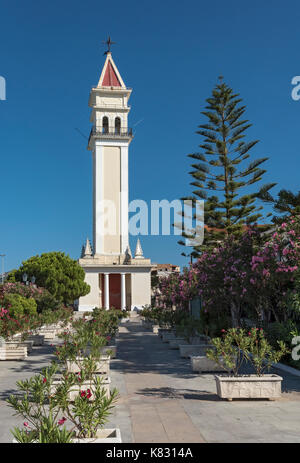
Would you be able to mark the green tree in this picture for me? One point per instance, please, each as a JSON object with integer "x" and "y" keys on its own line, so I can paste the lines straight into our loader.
{"x": 220, "y": 176}
{"x": 58, "y": 273}
{"x": 286, "y": 204}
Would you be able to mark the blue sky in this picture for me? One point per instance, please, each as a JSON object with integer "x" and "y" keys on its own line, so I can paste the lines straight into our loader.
{"x": 171, "y": 54}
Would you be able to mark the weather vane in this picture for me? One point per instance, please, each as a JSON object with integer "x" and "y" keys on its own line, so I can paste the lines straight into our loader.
{"x": 109, "y": 43}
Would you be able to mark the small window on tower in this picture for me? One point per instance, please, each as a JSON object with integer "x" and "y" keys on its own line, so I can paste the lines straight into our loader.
{"x": 105, "y": 124}
{"x": 117, "y": 125}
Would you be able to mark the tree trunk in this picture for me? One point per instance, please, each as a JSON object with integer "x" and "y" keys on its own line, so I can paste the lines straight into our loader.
{"x": 235, "y": 316}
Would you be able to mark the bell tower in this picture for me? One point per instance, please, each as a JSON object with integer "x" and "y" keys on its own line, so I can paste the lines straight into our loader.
{"x": 109, "y": 141}
{"x": 116, "y": 278}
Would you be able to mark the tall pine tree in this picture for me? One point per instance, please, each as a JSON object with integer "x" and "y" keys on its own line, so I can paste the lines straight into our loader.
{"x": 220, "y": 176}
{"x": 287, "y": 203}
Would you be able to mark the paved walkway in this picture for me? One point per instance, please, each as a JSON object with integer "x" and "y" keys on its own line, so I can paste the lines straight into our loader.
{"x": 163, "y": 401}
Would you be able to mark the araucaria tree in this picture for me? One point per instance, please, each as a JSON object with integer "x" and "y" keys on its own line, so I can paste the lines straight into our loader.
{"x": 221, "y": 174}
{"x": 286, "y": 204}
{"x": 58, "y": 273}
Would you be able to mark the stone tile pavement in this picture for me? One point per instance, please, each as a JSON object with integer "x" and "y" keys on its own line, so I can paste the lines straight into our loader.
{"x": 163, "y": 401}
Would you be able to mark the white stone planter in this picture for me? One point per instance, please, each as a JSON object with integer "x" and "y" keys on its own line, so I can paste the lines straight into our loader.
{"x": 186, "y": 350}
{"x": 201, "y": 363}
{"x": 155, "y": 329}
{"x": 83, "y": 386}
{"x": 13, "y": 352}
{"x": 175, "y": 343}
{"x": 168, "y": 336}
{"x": 162, "y": 331}
{"x": 47, "y": 333}
{"x": 200, "y": 339}
{"x": 102, "y": 365}
{"x": 249, "y": 387}
{"x": 27, "y": 344}
{"x": 37, "y": 339}
{"x": 104, "y": 436}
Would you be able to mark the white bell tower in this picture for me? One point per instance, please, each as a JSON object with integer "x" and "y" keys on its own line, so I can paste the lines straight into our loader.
{"x": 109, "y": 141}
{"x": 116, "y": 278}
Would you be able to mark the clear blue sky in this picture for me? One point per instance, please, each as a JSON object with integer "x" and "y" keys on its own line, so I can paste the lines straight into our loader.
{"x": 171, "y": 53}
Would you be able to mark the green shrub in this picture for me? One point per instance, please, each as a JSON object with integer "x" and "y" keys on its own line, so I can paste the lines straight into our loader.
{"x": 237, "y": 345}
{"x": 284, "y": 331}
{"x": 18, "y": 305}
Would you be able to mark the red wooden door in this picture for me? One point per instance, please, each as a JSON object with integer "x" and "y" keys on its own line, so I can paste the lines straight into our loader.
{"x": 115, "y": 290}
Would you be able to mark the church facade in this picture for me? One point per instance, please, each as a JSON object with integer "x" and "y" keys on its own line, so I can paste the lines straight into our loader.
{"x": 117, "y": 279}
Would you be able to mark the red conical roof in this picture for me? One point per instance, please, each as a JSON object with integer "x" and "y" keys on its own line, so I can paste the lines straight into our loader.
{"x": 110, "y": 78}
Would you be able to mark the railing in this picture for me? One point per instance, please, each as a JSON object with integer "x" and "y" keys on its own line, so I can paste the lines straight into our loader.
{"x": 111, "y": 131}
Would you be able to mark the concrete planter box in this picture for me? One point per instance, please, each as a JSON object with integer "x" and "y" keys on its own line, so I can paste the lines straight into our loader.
{"x": 47, "y": 333}
{"x": 102, "y": 365}
{"x": 162, "y": 331}
{"x": 201, "y": 339}
{"x": 186, "y": 350}
{"x": 37, "y": 339}
{"x": 201, "y": 363}
{"x": 104, "y": 436}
{"x": 75, "y": 390}
{"x": 27, "y": 344}
{"x": 176, "y": 342}
{"x": 168, "y": 336}
{"x": 249, "y": 387}
{"x": 147, "y": 326}
{"x": 13, "y": 352}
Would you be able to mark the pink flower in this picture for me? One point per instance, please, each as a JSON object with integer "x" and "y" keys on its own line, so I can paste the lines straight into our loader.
{"x": 26, "y": 424}
{"x": 61, "y": 422}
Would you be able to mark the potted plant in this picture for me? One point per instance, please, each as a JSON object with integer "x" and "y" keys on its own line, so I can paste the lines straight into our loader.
{"x": 52, "y": 418}
{"x": 8, "y": 328}
{"x": 196, "y": 343}
{"x": 82, "y": 343}
{"x": 236, "y": 346}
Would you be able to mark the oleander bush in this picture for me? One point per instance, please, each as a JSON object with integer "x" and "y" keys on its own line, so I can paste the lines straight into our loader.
{"x": 18, "y": 305}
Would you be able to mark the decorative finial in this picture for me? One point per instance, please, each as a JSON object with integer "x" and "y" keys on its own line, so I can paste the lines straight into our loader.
{"x": 88, "y": 249}
{"x": 128, "y": 255}
{"x": 138, "y": 250}
{"x": 109, "y": 43}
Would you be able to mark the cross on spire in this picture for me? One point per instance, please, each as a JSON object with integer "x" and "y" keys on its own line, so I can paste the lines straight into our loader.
{"x": 109, "y": 43}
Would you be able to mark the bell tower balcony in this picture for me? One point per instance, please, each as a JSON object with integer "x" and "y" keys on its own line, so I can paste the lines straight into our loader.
{"x": 110, "y": 133}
